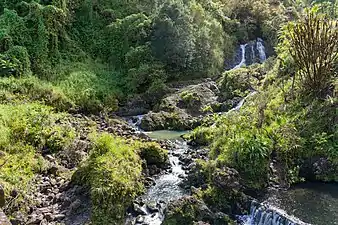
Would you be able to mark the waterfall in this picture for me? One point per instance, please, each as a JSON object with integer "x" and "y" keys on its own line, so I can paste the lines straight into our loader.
{"x": 240, "y": 104}
{"x": 262, "y": 214}
{"x": 252, "y": 52}
{"x": 242, "y": 63}
{"x": 261, "y": 50}
{"x": 135, "y": 121}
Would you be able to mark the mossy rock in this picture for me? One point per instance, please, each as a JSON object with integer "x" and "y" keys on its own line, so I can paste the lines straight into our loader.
{"x": 187, "y": 211}
{"x": 153, "y": 154}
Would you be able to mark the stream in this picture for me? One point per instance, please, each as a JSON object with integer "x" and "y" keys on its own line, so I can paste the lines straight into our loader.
{"x": 312, "y": 203}
{"x": 167, "y": 186}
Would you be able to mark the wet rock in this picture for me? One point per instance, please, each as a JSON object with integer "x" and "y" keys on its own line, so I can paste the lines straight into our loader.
{"x": 139, "y": 219}
{"x": 75, "y": 205}
{"x": 49, "y": 217}
{"x": 35, "y": 219}
{"x": 139, "y": 210}
{"x": 226, "y": 179}
{"x": 187, "y": 210}
{"x": 152, "y": 207}
{"x": 59, "y": 217}
{"x": 50, "y": 158}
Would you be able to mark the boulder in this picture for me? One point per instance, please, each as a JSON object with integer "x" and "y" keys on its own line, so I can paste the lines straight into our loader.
{"x": 153, "y": 154}
{"x": 187, "y": 211}
{"x": 226, "y": 179}
{"x": 184, "y": 109}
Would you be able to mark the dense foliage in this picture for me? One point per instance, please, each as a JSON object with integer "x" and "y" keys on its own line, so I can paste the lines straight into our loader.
{"x": 282, "y": 123}
{"x": 63, "y": 58}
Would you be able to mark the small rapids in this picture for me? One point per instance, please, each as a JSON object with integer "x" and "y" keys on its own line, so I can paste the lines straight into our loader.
{"x": 167, "y": 186}
{"x": 264, "y": 214}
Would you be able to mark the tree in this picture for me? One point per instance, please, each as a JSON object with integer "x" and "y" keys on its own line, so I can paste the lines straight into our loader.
{"x": 172, "y": 37}
{"x": 188, "y": 38}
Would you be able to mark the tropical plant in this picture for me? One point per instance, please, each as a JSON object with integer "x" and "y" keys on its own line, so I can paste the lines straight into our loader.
{"x": 312, "y": 42}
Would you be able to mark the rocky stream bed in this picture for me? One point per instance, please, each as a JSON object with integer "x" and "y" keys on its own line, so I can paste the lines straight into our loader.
{"x": 56, "y": 200}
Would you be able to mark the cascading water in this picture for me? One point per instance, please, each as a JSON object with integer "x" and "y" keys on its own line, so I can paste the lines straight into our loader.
{"x": 242, "y": 63}
{"x": 251, "y": 52}
{"x": 261, "y": 214}
{"x": 240, "y": 104}
{"x": 167, "y": 186}
{"x": 261, "y": 50}
{"x": 135, "y": 121}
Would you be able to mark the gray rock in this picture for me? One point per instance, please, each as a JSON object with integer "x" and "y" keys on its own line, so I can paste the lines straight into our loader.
{"x": 49, "y": 217}
{"x": 35, "y": 219}
{"x": 75, "y": 205}
{"x": 18, "y": 219}
{"x": 152, "y": 207}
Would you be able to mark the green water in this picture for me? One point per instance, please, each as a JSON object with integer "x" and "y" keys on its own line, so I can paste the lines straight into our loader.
{"x": 314, "y": 203}
{"x": 166, "y": 134}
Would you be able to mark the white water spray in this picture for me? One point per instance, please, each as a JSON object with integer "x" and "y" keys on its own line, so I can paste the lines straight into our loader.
{"x": 261, "y": 50}
{"x": 242, "y": 63}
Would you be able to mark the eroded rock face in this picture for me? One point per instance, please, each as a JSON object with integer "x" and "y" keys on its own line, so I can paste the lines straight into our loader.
{"x": 192, "y": 211}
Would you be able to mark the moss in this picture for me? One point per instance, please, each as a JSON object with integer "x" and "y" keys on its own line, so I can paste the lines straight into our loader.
{"x": 153, "y": 154}
{"x": 113, "y": 174}
{"x": 190, "y": 99}
{"x": 201, "y": 135}
{"x": 187, "y": 211}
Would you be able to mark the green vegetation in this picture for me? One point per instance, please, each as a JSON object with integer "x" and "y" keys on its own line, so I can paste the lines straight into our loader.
{"x": 153, "y": 154}
{"x": 113, "y": 173}
{"x": 61, "y": 58}
{"x": 282, "y": 122}
{"x": 190, "y": 99}
{"x": 27, "y": 129}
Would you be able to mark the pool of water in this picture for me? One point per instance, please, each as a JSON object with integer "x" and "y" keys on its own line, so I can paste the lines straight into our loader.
{"x": 166, "y": 134}
{"x": 314, "y": 203}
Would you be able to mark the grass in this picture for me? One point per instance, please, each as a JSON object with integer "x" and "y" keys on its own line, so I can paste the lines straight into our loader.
{"x": 27, "y": 129}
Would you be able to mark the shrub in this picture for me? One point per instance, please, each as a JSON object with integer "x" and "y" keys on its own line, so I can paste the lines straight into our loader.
{"x": 235, "y": 83}
{"x": 312, "y": 42}
{"x": 26, "y": 130}
{"x": 190, "y": 99}
{"x": 33, "y": 89}
{"x": 153, "y": 154}
{"x": 113, "y": 174}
